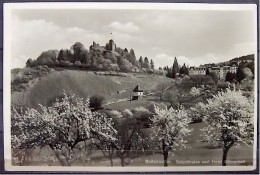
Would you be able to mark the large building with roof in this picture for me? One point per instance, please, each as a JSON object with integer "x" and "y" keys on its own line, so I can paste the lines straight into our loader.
{"x": 198, "y": 70}
{"x": 221, "y": 71}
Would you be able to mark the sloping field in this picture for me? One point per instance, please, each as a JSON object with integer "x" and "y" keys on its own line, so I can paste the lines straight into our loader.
{"x": 84, "y": 84}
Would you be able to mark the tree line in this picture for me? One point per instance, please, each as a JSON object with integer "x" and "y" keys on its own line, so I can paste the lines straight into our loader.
{"x": 240, "y": 74}
{"x": 176, "y": 70}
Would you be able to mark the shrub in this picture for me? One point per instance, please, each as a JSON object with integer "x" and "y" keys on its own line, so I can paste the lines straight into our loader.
{"x": 195, "y": 81}
{"x": 96, "y": 101}
{"x": 99, "y": 67}
{"x": 144, "y": 119}
{"x": 142, "y": 116}
{"x": 149, "y": 71}
{"x": 62, "y": 63}
{"x": 214, "y": 76}
{"x": 84, "y": 65}
{"x": 139, "y": 110}
{"x": 144, "y": 70}
{"x": 196, "y": 113}
{"x": 127, "y": 113}
{"x": 195, "y": 91}
{"x": 222, "y": 85}
{"x": 172, "y": 97}
{"x": 77, "y": 63}
{"x": 114, "y": 67}
{"x": 29, "y": 62}
{"x": 57, "y": 63}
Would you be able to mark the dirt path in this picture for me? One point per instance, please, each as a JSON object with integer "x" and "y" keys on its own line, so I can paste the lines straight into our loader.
{"x": 127, "y": 99}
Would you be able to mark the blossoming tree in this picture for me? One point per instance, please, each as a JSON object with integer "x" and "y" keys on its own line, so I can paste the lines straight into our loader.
{"x": 229, "y": 119}
{"x": 195, "y": 92}
{"x": 130, "y": 141}
{"x": 170, "y": 127}
{"x": 61, "y": 127}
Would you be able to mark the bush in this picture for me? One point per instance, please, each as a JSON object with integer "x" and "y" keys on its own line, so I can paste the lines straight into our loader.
{"x": 144, "y": 120}
{"x": 142, "y": 116}
{"x": 29, "y": 62}
{"x": 25, "y": 79}
{"x": 196, "y": 113}
{"x": 66, "y": 63}
{"x": 77, "y": 63}
{"x": 149, "y": 71}
{"x": 214, "y": 76}
{"x": 172, "y": 97}
{"x": 96, "y": 101}
{"x": 127, "y": 113}
{"x": 222, "y": 85}
{"x": 57, "y": 63}
{"x": 195, "y": 81}
{"x": 114, "y": 67}
{"x": 195, "y": 91}
{"x": 84, "y": 65}
{"x": 100, "y": 67}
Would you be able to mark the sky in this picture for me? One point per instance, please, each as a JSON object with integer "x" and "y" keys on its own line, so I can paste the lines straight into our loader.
{"x": 193, "y": 36}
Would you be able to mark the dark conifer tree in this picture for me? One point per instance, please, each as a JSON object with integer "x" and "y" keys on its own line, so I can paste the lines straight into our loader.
{"x": 184, "y": 70}
{"x": 146, "y": 63}
{"x": 141, "y": 61}
{"x": 131, "y": 58}
{"x": 240, "y": 74}
{"x": 169, "y": 72}
{"x": 152, "y": 64}
{"x": 229, "y": 77}
{"x": 60, "y": 55}
{"x": 207, "y": 71}
{"x": 175, "y": 68}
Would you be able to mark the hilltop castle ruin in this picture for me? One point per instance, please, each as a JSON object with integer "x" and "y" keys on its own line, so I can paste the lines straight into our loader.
{"x": 111, "y": 45}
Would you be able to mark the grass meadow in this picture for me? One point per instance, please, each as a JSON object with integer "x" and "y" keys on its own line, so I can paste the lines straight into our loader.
{"x": 84, "y": 84}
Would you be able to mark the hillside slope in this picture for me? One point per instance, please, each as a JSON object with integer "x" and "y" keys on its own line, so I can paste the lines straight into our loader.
{"x": 84, "y": 84}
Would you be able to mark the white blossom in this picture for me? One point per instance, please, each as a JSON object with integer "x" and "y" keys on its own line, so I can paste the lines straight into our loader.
{"x": 61, "y": 126}
{"x": 228, "y": 115}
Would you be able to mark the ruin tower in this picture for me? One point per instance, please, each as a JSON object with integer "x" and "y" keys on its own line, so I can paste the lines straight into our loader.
{"x": 111, "y": 45}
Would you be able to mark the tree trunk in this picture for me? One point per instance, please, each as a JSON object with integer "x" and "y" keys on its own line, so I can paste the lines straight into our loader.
{"x": 62, "y": 161}
{"x": 224, "y": 158}
{"x": 165, "y": 158}
{"x": 165, "y": 153}
{"x": 111, "y": 161}
{"x": 122, "y": 161}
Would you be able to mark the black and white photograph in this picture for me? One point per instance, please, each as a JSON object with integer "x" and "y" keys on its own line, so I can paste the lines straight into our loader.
{"x": 130, "y": 87}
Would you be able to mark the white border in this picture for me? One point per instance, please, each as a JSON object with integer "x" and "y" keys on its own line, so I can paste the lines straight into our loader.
{"x": 123, "y": 5}
{"x": 8, "y": 7}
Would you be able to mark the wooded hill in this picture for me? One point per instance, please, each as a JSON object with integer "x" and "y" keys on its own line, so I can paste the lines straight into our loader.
{"x": 95, "y": 58}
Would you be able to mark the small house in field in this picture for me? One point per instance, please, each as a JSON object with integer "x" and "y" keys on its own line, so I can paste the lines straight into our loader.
{"x": 137, "y": 93}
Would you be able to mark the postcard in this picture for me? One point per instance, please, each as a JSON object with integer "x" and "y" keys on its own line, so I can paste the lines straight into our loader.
{"x": 130, "y": 87}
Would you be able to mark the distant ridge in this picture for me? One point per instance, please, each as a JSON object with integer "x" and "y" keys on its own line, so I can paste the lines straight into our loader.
{"x": 244, "y": 58}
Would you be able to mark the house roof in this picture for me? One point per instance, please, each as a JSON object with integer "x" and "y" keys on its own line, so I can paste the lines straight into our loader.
{"x": 137, "y": 89}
